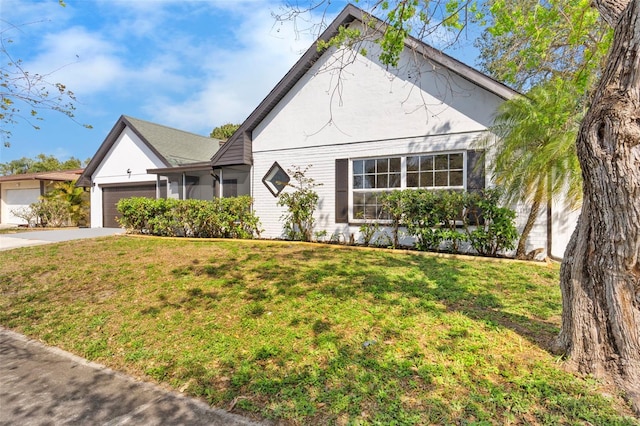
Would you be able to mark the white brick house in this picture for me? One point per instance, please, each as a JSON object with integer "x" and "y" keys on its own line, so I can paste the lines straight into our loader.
{"x": 366, "y": 128}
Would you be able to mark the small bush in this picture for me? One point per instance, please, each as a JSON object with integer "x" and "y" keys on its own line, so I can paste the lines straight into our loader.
{"x": 497, "y": 232}
{"x": 394, "y": 204}
{"x": 423, "y": 218}
{"x": 52, "y": 212}
{"x": 28, "y": 214}
{"x": 301, "y": 204}
{"x": 450, "y": 219}
{"x": 219, "y": 218}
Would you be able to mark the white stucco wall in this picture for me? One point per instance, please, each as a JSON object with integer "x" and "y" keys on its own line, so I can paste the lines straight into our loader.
{"x": 365, "y": 102}
{"x": 127, "y": 153}
{"x": 365, "y": 111}
{"x": 322, "y": 159}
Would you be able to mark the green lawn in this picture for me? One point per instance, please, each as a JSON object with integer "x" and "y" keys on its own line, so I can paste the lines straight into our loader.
{"x": 311, "y": 334}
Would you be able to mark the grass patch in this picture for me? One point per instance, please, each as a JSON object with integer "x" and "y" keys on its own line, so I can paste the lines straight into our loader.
{"x": 310, "y": 334}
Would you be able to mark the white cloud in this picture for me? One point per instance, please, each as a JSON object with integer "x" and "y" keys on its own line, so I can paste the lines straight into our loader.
{"x": 236, "y": 80}
{"x": 145, "y": 56}
{"x": 83, "y": 61}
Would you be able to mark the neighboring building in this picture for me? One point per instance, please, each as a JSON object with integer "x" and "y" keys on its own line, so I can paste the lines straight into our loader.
{"x": 364, "y": 128}
{"x": 119, "y": 168}
{"x": 20, "y": 190}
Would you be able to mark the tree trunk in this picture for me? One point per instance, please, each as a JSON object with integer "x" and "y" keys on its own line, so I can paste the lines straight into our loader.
{"x": 600, "y": 275}
{"x": 531, "y": 220}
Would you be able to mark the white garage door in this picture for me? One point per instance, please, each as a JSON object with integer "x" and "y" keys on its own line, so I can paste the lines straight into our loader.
{"x": 17, "y": 199}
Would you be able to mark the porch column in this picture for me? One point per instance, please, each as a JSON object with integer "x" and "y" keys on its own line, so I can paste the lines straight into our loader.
{"x": 221, "y": 184}
{"x": 184, "y": 186}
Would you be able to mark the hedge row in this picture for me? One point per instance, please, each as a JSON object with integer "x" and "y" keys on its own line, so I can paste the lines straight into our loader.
{"x": 219, "y": 218}
{"x": 451, "y": 220}
{"x": 448, "y": 220}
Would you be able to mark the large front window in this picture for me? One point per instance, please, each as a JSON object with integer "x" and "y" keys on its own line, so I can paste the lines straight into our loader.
{"x": 373, "y": 177}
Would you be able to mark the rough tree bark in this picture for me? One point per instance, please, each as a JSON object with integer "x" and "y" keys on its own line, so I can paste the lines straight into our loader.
{"x": 600, "y": 275}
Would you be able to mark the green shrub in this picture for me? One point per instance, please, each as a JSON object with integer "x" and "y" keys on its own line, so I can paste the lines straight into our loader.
{"x": 219, "y": 218}
{"x": 449, "y": 219}
{"x": 394, "y": 203}
{"x": 497, "y": 232}
{"x": 423, "y": 218}
{"x": 301, "y": 204}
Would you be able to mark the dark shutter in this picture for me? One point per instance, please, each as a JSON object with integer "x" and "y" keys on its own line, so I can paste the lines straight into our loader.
{"x": 342, "y": 190}
{"x": 475, "y": 182}
{"x": 475, "y": 170}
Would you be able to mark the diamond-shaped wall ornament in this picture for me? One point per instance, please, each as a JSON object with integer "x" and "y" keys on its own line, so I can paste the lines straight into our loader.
{"x": 276, "y": 179}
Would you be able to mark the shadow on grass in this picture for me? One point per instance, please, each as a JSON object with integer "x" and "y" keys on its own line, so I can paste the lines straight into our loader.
{"x": 432, "y": 282}
{"x": 442, "y": 282}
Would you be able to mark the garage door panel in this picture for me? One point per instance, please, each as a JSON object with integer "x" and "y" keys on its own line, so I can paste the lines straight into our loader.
{"x": 112, "y": 194}
{"x": 17, "y": 199}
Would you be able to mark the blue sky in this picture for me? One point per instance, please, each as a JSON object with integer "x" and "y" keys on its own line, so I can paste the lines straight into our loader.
{"x": 192, "y": 65}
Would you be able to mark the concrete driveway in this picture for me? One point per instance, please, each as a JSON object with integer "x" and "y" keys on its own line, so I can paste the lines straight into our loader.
{"x": 34, "y": 238}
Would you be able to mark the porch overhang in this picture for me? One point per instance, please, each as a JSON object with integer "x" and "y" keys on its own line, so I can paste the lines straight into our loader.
{"x": 193, "y": 167}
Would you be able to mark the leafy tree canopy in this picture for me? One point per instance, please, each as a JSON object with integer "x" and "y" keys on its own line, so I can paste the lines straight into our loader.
{"x": 528, "y": 42}
{"x": 224, "y": 131}
{"x": 41, "y": 163}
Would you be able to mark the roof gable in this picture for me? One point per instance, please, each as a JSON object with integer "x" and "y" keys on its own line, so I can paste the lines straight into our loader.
{"x": 239, "y": 141}
{"x": 172, "y": 146}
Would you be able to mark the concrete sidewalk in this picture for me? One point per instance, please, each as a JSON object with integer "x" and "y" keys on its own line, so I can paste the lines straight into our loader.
{"x": 42, "y": 385}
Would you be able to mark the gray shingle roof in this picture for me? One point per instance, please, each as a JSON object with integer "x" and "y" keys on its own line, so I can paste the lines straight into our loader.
{"x": 176, "y": 146}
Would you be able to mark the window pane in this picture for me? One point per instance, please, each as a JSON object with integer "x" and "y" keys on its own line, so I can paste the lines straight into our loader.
{"x": 370, "y": 198}
{"x": 358, "y": 212}
{"x": 358, "y": 182}
{"x": 442, "y": 162}
{"x": 455, "y": 161}
{"x": 383, "y": 165}
{"x": 426, "y": 180}
{"x": 370, "y": 181}
{"x": 280, "y": 179}
{"x": 370, "y": 166}
{"x": 426, "y": 163}
{"x": 358, "y": 167}
{"x": 370, "y": 212}
{"x": 394, "y": 180}
{"x": 382, "y": 181}
{"x": 358, "y": 198}
{"x": 442, "y": 178}
{"x": 275, "y": 179}
{"x": 412, "y": 180}
{"x": 455, "y": 178}
{"x": 394, "y": 165}
{"x": 413, "y": 163}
